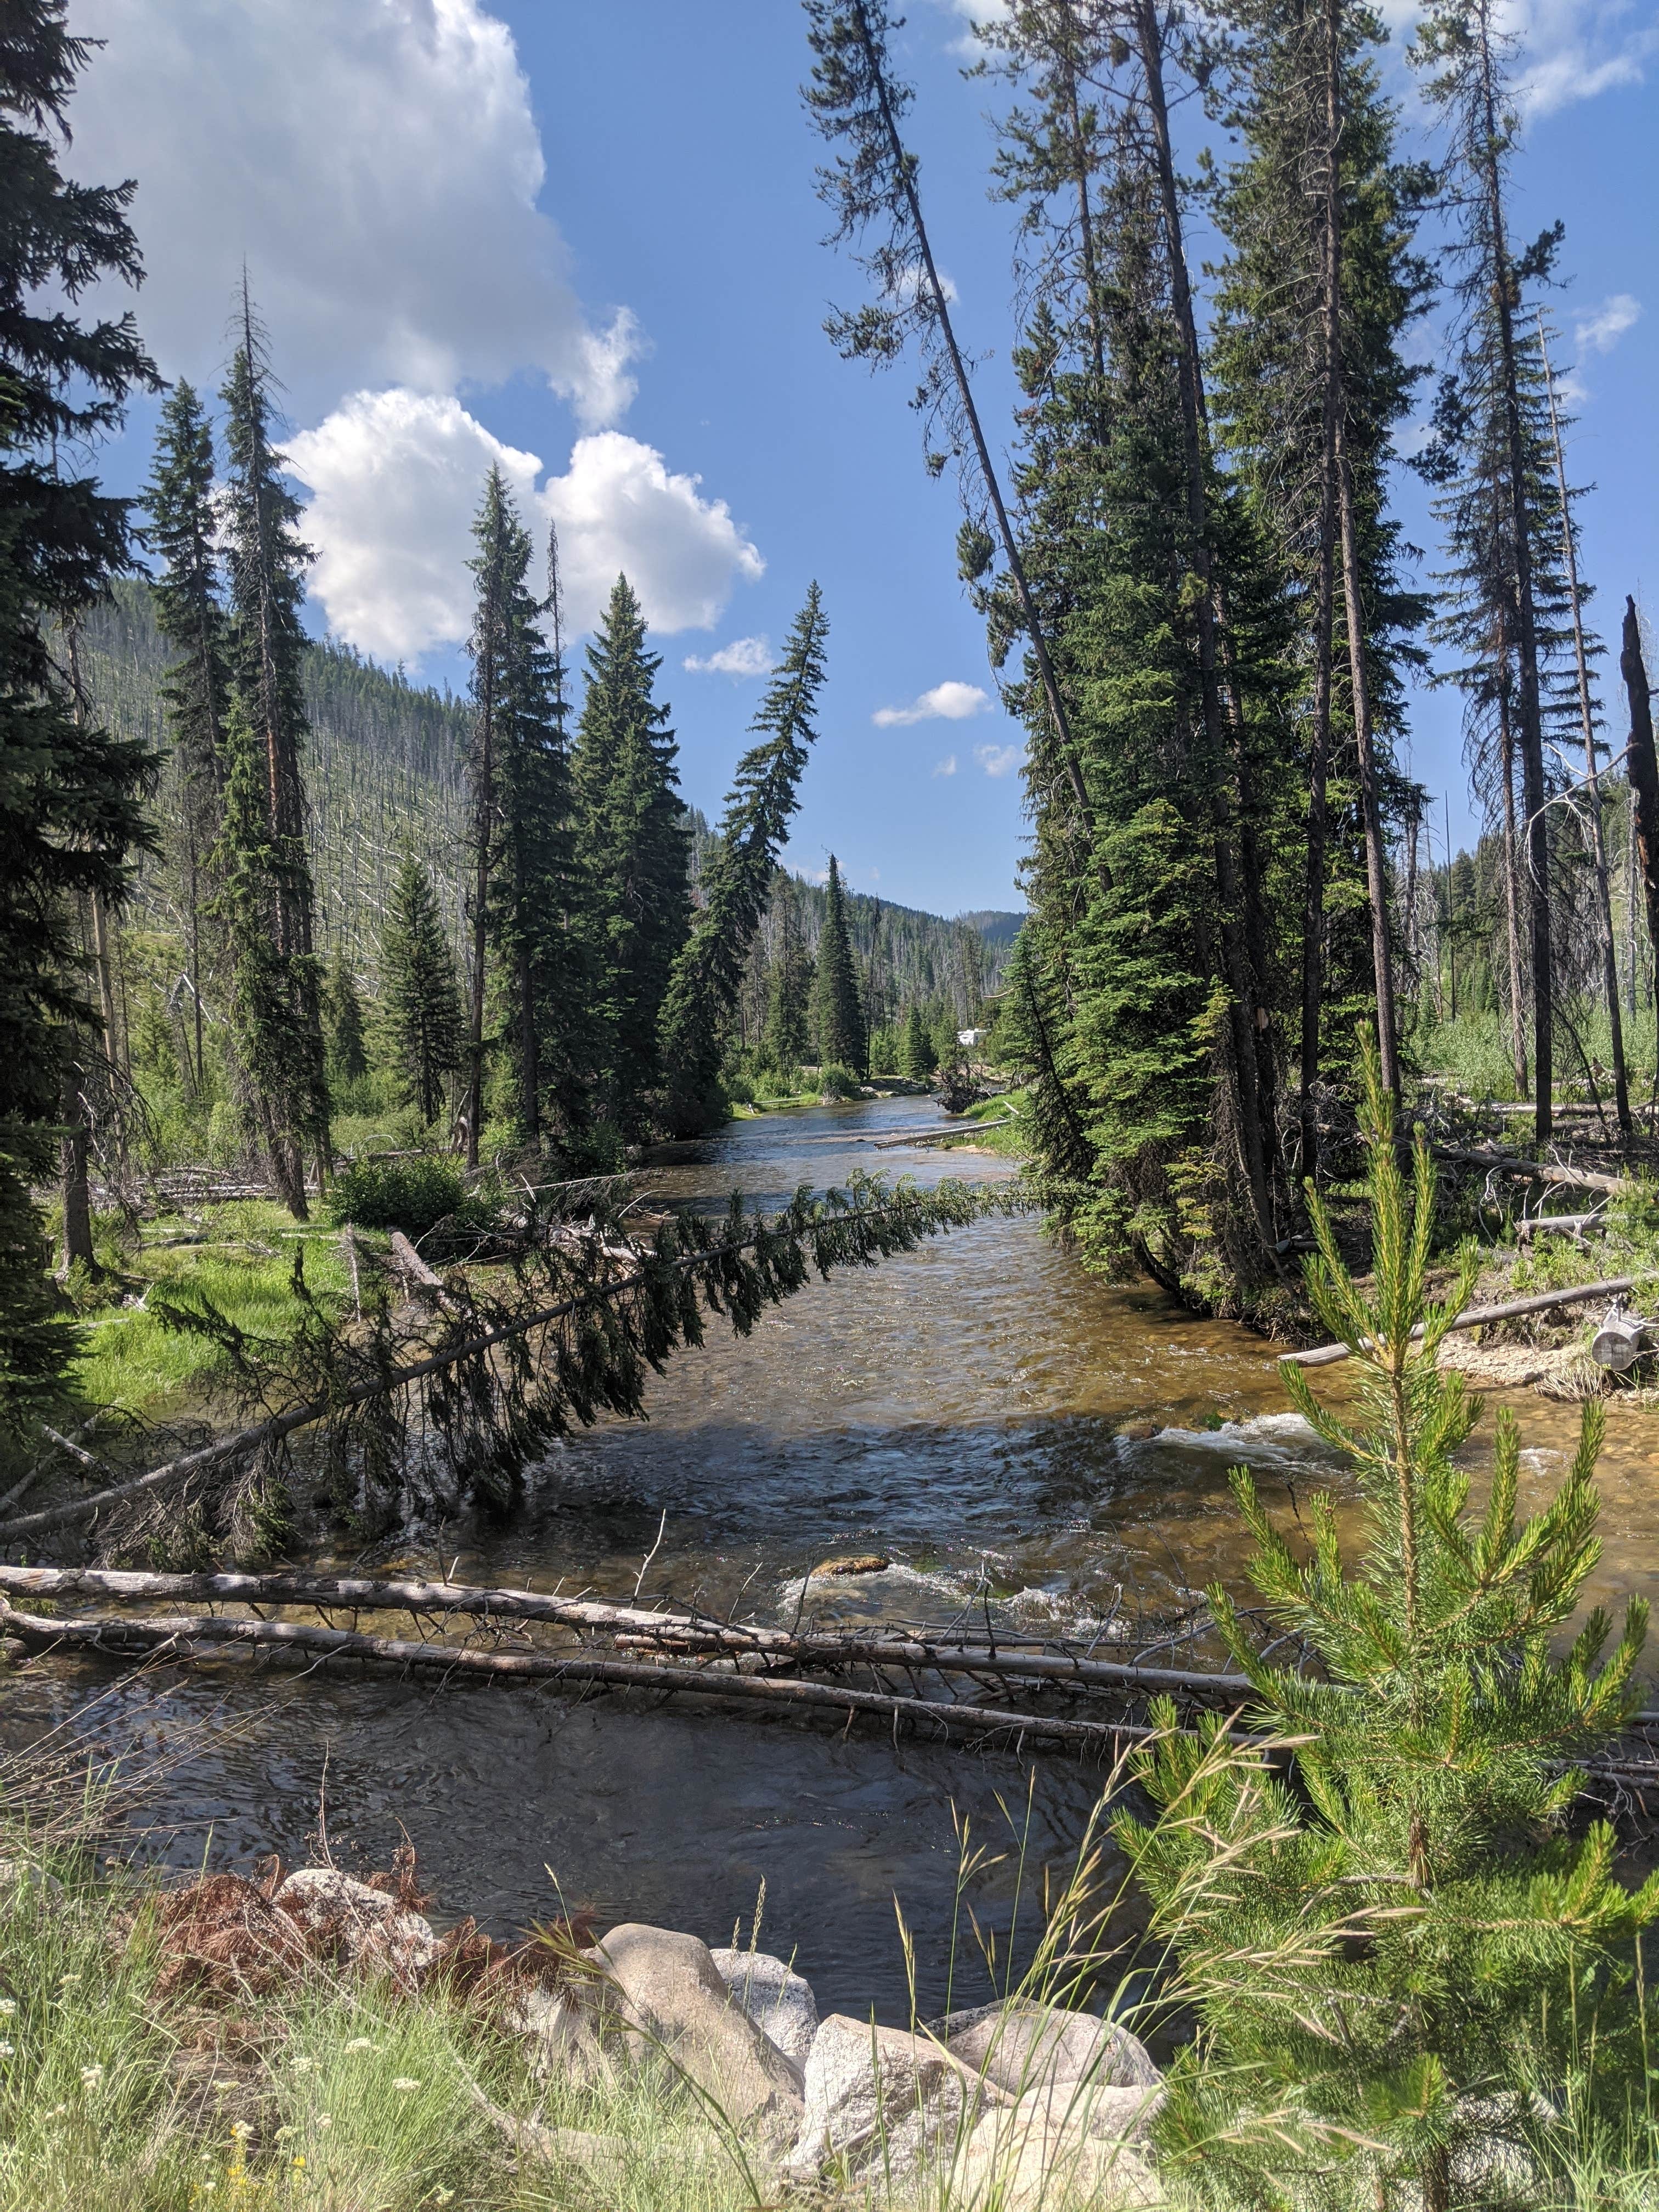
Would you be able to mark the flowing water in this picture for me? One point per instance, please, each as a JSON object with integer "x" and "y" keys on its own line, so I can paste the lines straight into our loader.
{"x": 963, "y": 1410}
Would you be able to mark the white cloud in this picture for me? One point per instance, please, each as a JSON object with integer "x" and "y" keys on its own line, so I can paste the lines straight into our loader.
{"x": 947, "y": 766}
{"x": 1601, "y": 328}
{"x": 377, "y": 165}
{"x": 744, "y": 657}
{"x": 1570, "y": 50}
{"x": 396, "y": 475}
{"x": 949, "y": 701}
{"x": 998, "y": 760}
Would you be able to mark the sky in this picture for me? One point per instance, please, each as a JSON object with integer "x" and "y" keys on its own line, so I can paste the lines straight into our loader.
{"x": 582, "y": 242}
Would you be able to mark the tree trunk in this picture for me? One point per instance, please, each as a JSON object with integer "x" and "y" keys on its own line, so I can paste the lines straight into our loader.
{"x": 1643, "y": 781}
{"x": 1511, "y": 885}
{"x": 72, "y": 1156}
{"x": 1376, "y": 868}
{"x": 1593, "y": 787}
{"x": 483, "y": 809}
{"x": 1531, "y": 715}
{"x": 1242, "y": 993}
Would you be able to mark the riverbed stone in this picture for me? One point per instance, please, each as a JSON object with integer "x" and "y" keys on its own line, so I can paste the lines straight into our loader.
{"x": 880, "y": 2102}
{"x": 560, "y": 2026}
{"x": 778, "y": 1999}
{"x": 366, "y": 1927}
{"x": 1018, "y": 2163}
{"x": 1020, "y": 2046}
{"x": 670, "y": 1997}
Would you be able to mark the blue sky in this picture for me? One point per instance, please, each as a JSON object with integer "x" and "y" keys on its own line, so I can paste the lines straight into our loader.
{"x": 583, "y": 240}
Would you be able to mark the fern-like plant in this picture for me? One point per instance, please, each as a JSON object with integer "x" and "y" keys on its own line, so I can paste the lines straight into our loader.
{"x": 1387, "y": 1932}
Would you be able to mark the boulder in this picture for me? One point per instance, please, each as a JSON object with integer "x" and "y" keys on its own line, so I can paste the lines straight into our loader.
{"x": 351, "y": 1921}
{"x": 669, "y": 1996}
{"x": 1019, "y": 2165}
{"x": 1020, "y": 2046}
{"x": 881, "y": 2101}
{"x": 1100, "y": 2110}
{"x": 560, "y": 2026}
{"x": 779, "y": 2000}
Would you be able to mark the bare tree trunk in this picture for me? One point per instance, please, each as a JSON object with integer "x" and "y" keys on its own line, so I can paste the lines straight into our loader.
{"x": 1511, "y": 880}
{"x": 906, "y": 169}
{"x": 72, "y": 1161}
{"x": 1593, "y": 787}
{"x": 1531, "y": 714}
{"x": 1644, "y": 781}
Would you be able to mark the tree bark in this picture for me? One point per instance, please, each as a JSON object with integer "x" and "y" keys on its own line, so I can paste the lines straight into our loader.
{"x": 1643, "y": 777}
{"x": 1511, "y": 876}
{"x": 72, "y": 1154}
{"x": 1592, "y": 776}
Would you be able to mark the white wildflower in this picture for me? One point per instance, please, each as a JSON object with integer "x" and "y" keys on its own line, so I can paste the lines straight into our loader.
{"x": 404, "y": 2081}
{"x": 8, "y": 2051}
{"x": 360, "y": 2043}
{"x": 8, "y": 2007}
{"x": 91, "y": 2076}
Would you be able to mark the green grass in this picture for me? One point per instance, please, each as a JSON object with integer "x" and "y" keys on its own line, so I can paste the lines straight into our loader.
{"x": 133, "y": 1362}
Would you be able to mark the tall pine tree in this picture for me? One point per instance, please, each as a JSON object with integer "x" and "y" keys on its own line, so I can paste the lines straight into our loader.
{"x": 737, "y": 877}
{"x": 837, "y": 1015}
{"x": 190, "y": 616}
{"x": 264, "y": 896}
{"x": 631, "y": 840}
{"x": 70, "y": 795}
{"x": 422, "y": 1004}
{"x": 789, "y": 998}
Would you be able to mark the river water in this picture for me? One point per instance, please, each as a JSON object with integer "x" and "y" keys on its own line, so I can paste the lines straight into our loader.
{"x": 961, "y": 1409}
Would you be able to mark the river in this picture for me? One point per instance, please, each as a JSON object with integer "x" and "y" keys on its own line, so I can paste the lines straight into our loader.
{"x": 961, "y": 1409}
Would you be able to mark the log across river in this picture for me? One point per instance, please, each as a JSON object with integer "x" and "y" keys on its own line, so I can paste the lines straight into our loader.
{"x": 977, "y": 1412}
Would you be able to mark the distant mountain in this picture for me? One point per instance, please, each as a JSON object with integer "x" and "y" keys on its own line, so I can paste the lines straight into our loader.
{"x": 384, "y": 765}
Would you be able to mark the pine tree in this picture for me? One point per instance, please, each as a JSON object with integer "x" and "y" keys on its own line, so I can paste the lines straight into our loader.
{"x": 631, "y": 848}
{"x": 190, "y": 616}
{"x": 837, "y": 1015}
{"x": 342, "y": 1011}
{"x": 1463, "y": 55}
{"x": 264, "y": 898}
{"x": 1391, "y": 1946}
{"x": 738, "y": 879}
{"x": 421, "y": 1002}
{"x": 70, "y": 795}
{"x": 917, "y": 1059}
{"x": 789, "y": 1006}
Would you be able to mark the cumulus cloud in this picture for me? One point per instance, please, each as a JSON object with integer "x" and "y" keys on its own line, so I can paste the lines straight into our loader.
{"x": 1570, "y": 50}
{"x": 395, "y": 478}
{"x": 744, "y": 657}
{"x": 998, "y": 760}
{"x": 949, "y": 701}
{"x": 1601, "y": 329}
{"x": 377, "y": 165}
{"x": 947, "y": 766}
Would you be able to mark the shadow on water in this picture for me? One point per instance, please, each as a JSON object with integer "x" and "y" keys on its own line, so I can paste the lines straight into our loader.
{"x": 967, "y": 1411}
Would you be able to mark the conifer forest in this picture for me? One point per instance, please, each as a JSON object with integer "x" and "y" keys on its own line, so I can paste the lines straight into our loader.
{"x": 592, "y": 1269}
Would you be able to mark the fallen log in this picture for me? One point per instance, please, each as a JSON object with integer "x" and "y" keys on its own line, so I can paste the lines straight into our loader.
{"x": 1557, "y": 1224}
{"x": 1538, "y": 1171}
{"x": 1324, "y": 1355}
{"x": 186, "y": 1635}
{"x": 680, "y": 1633}
{"x": 943, "y": 1136}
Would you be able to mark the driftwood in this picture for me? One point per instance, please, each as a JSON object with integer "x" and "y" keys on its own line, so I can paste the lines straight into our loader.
{"x": 945, "y": 1136}
{"x": 183, "y": 1636}
{"x": 680, "y": 1633}
{"x": 1324, "y": 1355}
{"x": 1558, "y": 1224}
{"x": 1538, "y": 1171}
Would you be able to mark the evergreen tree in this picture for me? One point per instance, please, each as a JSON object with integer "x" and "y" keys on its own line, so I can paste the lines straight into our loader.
{"x": 190, "y": 616}
{"x": 917, "y": 1059}
{"x": 264, "y": 898}
{"x": 69, "y": 793}
{"x": 837, "y": 1015}
{"x": 421, "y": 1002}
{"x": 1393, "y": 1945}
{"x": 1309, "y": 384}
{"x": 789, "y": 1006}
{"x": 631, "y": 844}
{"x": 1464, "y": 56}
{"x": 738, "y": 877}
{"x": 342, "y": 1010}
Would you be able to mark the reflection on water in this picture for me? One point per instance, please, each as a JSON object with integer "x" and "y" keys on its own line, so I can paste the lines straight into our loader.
{"x": 962, "y": 1409}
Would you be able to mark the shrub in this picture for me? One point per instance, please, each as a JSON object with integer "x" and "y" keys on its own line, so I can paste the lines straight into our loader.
{"x": 1389, "y": 1936}
{"x": 838, "y": 1082}
{"x": 412, "y": 1194}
